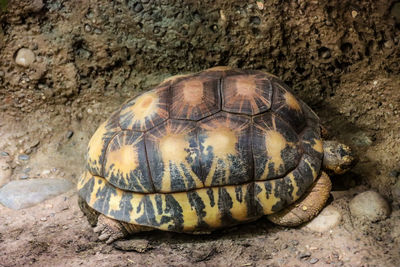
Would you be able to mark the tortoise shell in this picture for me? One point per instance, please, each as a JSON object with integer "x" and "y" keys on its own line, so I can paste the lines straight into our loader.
{"x": 203, "y": 151}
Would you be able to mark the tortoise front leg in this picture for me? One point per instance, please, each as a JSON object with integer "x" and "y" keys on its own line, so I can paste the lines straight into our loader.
{"x": 307, "y": 207}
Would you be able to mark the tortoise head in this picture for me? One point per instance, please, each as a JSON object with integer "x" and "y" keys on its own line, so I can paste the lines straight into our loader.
{"x": 338, "y": 158}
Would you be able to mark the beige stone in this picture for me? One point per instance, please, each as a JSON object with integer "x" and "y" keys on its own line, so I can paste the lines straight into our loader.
{"x": 326, "y": 220}
{"x": 25, "y": 57}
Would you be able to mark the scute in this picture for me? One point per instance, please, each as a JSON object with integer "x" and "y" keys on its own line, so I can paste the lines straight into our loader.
{"x": 225, "y": 149}
{"x": 249, "y": 93}
{"x": 286, "y": 106}
{"x": 125, "y": 163}
{"x": 195, "y": 97}
{"x": 276, "y": 148}
{"x": 173, "y": 154}
{"x": 146, "y": 110}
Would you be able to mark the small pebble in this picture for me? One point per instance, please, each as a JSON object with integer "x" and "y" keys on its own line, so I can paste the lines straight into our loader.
{"x": 46, "y": 172}
{"x": 305, "y": 255}
{"x": 69, "y": 134}
{"x": 88, "y": 28}
{"x": 314, "y": 260}
{"x": 4, "y": 154}
{"x": 326, "y": 54}
{"x": 138, "y": 7}
{"x": 25, "y": 57}
{"x": 43, "y": 219}
{"x": 260, "y": 5}
{"x": 23, "y": 157}
{"x": 35, "y": 143}
{"x": 24, "y": 176}
{"x": 369, "y": 206}
{"x": 354, "y": 13}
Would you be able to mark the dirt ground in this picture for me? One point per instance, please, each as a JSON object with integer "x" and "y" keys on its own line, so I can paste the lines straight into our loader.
{"x": 341, "y": 58}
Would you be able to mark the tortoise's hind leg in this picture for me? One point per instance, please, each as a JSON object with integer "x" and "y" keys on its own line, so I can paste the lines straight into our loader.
{"x": 110, "y": 230}
{"x": 308, "y": 206}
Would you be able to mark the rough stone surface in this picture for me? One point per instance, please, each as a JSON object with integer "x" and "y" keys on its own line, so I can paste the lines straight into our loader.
{"x": 22, "y": 194}
{"x": 369, "y": 206}
{"x": 326, "y": 220}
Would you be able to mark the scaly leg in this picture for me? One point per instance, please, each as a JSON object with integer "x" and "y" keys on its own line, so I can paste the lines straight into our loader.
{"x": 307, "y": 207}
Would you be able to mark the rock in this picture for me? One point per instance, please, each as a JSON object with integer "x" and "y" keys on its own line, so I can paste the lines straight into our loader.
{"x": 314, "y": 260}
{"x": 326, "y": 220}
{"x": 37, "y": 5}
{"x": 138, "y": 245}
{"x": 369, "y": 206}
{"x": 25, "y": 57}
{"x": 46, "y": 172}
{"x": 69, "y": 134}
{"x": 5, "y": 171}
{"x": 23, "y": 157}
{"x": 4, "y": 154}
{"x": 26, "y": 193}
{"x": 305, "y": 255}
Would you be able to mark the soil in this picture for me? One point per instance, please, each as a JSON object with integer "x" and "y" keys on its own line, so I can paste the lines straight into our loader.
{"x": 340, "y": 57}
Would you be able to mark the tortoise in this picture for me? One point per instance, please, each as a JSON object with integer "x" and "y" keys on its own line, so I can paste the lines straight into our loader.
{"x": 205, "y": 151}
